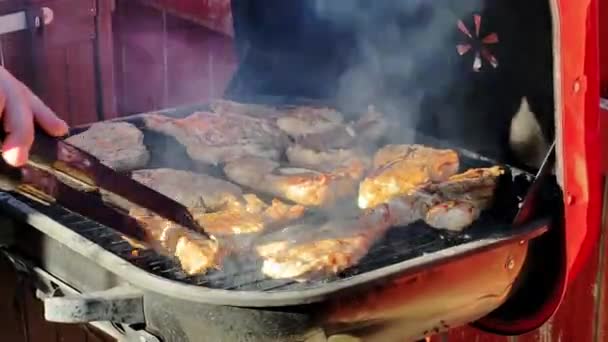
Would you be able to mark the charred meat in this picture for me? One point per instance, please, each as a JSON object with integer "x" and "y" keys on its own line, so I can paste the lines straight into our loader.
{"x": 119, "y": 145}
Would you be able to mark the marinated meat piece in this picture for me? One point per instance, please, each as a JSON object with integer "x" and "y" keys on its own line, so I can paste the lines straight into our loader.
{"x": 453, "y": 204}
{"x": 302, "y": 186}
{"x": 249, "y": 109}
{"x": 407, "y": 209}
{"x": 365, "y": 132}
{"x": 193, "y": 190}
{"x": 119, "y": 145}
{"x": 344, "y": 244}
{"x": 474, "y": 185}
{"x": 371, "y": 126}
{"x": 253, "y": 217}
{"x": 217, "y": 205}
{"x": 302, "y": 121}
{"x": 195, "y": 253}
{"x": 212, "y": 138}
{"x": 452, "y": 215}
{"x": 318, "y": 128}
{"x": 399, "y": 169}
{"x": 352, "y": 161}
{"x": 467, "y": 195}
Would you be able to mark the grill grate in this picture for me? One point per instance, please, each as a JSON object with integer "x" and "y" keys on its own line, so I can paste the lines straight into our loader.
{"x": 400, "y": 243}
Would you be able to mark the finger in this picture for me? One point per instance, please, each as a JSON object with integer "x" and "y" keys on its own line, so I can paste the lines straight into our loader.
{"x": 19, "y": 126}
{"x": 45, "y": 117}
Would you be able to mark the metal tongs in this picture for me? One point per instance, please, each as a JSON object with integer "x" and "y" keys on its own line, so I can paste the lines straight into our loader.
{"x": 54, "y": 163}
{"x": 529, "y": 203}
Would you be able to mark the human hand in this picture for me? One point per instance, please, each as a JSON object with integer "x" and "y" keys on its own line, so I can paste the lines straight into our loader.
{"x": 20, "y": 111}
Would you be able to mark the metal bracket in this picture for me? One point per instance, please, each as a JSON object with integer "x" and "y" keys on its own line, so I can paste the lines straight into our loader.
{"x": 18, "y": 21}
{"x": 122, "y": 304}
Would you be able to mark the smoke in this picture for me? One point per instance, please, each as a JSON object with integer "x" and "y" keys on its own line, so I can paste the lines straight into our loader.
{"x": 401, "y": 49}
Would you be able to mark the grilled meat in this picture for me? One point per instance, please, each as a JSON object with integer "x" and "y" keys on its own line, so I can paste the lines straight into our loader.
{"x": 213, "y": 139}
{"x": 366, "y": 132}
{"x": 303, "y": 186}
{"x": 452, "y": 205}
{"x": 255, "y": 110}
{"x": 304, "y": 120}
{"x": 193, "y": 190}
{"x": 324, "y": 251}
{"x": 217, "y": 205}
{"x": 452, "y": 215}
{"x": 473, "y": 185}
{"x": 253, "y": 217}
{"x": 195, "y": 253}
{"x": 371, "y": 126}
{"x": 399, "y": 169}
{"x": 315, "y": 128}
{"x": 353, "y": 161}
{"x": 119, "y": 145}
{"x": 296, "y": 121}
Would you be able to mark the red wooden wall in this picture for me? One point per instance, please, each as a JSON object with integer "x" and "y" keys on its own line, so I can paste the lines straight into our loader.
{"x": 162, "y": 60}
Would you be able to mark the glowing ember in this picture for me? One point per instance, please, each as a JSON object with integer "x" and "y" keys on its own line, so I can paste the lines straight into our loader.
{"x": 477, "y": 44}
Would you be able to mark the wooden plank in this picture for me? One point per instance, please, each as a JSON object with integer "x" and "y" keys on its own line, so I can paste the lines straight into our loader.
{"x": 214, "y": 15}
{"x": 141, "y": 62}
{"x": 81, "y": 85}
{"x": 14, "y": 48}
{"x": 182, "y": 62}
{"x": 12, "y": 323}
{"x": 188, "y": 58}
{"x": 223, "y": 63}
{"x": 105, "y": 59}
{"x": 55, "y": 89}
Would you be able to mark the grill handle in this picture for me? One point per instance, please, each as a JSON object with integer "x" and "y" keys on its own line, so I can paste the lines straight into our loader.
{"x": 121, "y": 304}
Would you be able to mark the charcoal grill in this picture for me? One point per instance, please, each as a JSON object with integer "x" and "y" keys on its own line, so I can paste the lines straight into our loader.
{"x": 415, "y": 282}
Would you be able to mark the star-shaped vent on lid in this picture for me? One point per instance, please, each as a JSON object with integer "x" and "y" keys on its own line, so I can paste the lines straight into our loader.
{"x": 477, "y": 45}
